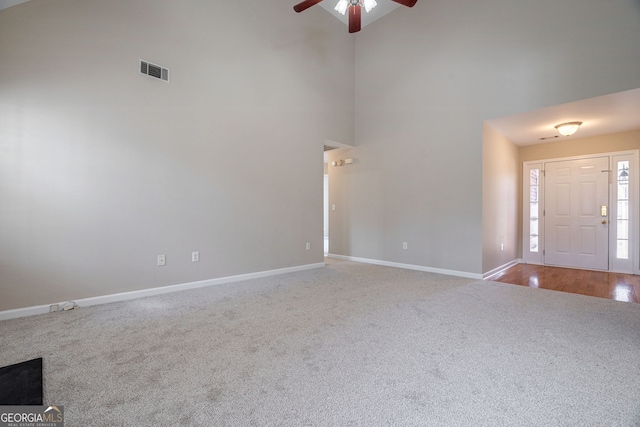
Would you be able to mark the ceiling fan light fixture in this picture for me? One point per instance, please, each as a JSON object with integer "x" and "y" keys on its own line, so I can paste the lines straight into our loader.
{"x": 342, "y": 6}
{"x": 569, "y": 128}
{"x": 353, "y": 6}
{"x": 369, "y": 4}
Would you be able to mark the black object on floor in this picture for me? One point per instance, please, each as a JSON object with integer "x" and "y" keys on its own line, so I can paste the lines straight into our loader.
{"x": 21, "y": 384}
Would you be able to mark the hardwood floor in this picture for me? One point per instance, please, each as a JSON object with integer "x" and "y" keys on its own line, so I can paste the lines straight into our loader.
{"x": 616, "y": 286}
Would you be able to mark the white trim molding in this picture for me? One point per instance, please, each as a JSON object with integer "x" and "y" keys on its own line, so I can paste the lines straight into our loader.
{"x": 457, "y": 273}
{"x": 500, "y": 269}
{"x": 124, "y": 296}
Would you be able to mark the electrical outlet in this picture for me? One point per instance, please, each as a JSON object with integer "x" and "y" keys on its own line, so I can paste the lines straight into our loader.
{"x": 195, "y": 256}
{"x": 53, "y": 308}
{"x": 404, "y": 245}
{"x": 308, "y": 246}
{"x": 162, "y": 260}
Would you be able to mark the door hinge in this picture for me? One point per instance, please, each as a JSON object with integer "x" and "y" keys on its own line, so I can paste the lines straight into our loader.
{"x": 543, "y": 252}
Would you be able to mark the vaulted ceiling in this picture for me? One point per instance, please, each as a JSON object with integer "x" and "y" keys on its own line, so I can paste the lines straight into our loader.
{"x": 603, "y": 115}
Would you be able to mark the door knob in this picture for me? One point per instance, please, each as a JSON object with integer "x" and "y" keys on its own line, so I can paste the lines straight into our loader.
{"x": 604, "y": 221}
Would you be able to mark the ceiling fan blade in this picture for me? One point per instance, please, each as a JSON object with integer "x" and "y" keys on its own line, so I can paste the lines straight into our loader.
{"x": 354, "y": 19}
{"x": 306, "y": 4}
{"x": 408, "y": 3}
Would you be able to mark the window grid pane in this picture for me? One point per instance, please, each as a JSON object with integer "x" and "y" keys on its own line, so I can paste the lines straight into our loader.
{"x": 623, "y": 170}
{"x": 623, "y": 191}
{"x": 623, "y": 209}
{"x": 623, "y": 229}
{"x": 623, "y": 249}
{"x": 533, "y": 177}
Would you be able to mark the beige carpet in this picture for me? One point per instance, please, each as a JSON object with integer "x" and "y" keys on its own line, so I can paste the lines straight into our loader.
{"x": 345, "y": 345}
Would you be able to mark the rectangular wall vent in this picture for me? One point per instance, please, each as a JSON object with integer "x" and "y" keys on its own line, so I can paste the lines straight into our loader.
{"x": 154, "y": 70}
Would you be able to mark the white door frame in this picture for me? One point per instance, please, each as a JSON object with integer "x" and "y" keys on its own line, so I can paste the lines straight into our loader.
{"x": 536, "y": 255}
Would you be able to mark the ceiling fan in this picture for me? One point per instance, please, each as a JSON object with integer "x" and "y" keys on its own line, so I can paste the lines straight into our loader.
{"x": 354, "y": 7}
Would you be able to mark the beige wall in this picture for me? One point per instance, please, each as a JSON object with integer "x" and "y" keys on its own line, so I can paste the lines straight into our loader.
{"x": 428, "y": 77}
{"x": 499, "y": 199}
{"x": 102, "y": 169}
{"x": 569, "y": 147}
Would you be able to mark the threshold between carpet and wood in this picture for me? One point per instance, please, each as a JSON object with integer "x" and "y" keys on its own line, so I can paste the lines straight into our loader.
{"x": 348, "y": 344}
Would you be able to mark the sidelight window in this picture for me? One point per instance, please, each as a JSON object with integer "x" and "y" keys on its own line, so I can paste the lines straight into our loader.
{"x": 622, "y": 246}
{"x": 534, "y": 204}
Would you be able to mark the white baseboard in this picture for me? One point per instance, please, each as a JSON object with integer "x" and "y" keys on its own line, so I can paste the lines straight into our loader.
{"x": 24, "y": 312}
{"x": 124, "y": 296}
{"x": 409, "y": 266}
{"x": 500, "y": 269}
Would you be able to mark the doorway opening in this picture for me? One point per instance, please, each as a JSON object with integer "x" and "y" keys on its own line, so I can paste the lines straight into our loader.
{"x": 326, "y": 213}
{"x": 330, "y": 205}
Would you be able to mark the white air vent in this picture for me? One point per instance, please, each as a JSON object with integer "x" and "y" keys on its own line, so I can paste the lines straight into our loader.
{"x": 154, "y": 70}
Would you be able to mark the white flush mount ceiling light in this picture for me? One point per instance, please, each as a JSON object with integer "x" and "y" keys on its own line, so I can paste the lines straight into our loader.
{"x": 569, "y": 128}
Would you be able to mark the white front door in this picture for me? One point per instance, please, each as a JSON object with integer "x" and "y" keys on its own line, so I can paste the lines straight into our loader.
{"x": 576, "y": 222}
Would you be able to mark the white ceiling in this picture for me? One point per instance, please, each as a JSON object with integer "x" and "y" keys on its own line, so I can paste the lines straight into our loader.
{"x": 618, "y": 112}
{"x": 383, "y": 7}
{"x": 8, "y": 3}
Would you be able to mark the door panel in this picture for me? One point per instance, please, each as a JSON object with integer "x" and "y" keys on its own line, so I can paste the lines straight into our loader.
{"x": 575, "y": 235}
{"x": 588, "y": 240}
{"x": 563, "y": 200}
{"x": 563, "y": 239}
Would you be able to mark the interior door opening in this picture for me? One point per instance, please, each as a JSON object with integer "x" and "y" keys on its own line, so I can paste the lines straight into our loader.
{"x": 326, "y": 214}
